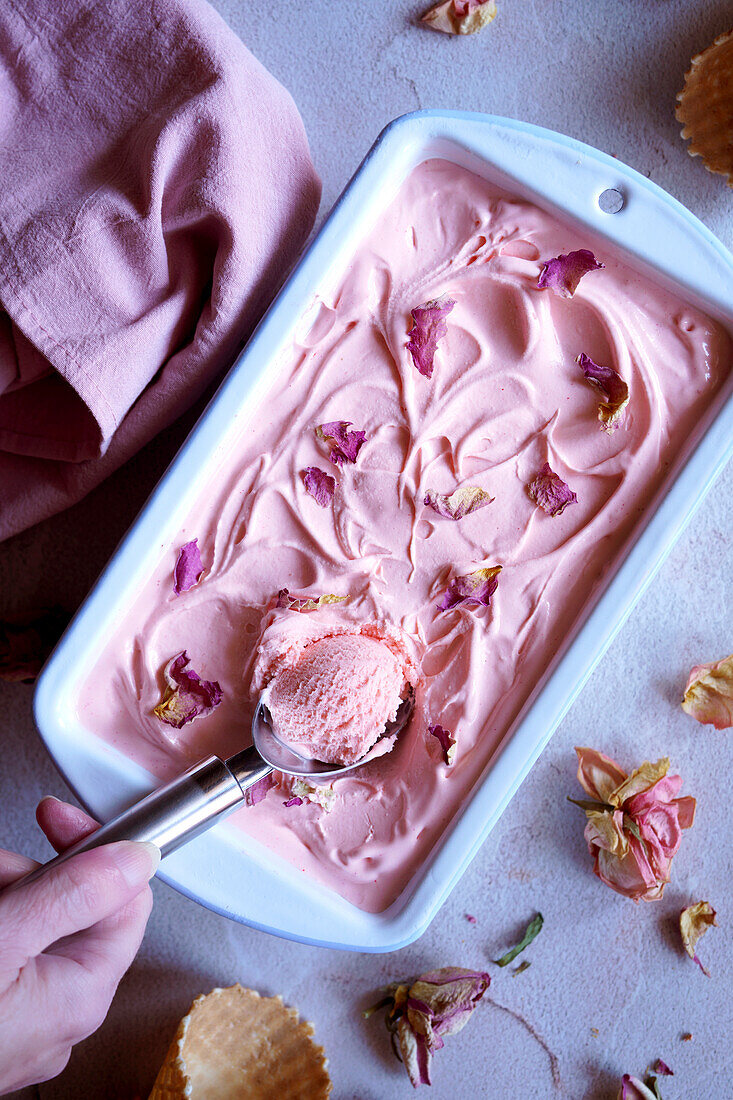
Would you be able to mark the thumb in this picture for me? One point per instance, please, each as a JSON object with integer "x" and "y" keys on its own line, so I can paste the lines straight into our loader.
{"x": 72, "y": 896}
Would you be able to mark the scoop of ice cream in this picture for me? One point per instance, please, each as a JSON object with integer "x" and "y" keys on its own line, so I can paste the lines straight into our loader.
{"x": 331, "y": 687}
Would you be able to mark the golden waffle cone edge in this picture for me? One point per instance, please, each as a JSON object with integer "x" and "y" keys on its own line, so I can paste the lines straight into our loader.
{"x": 705, "y": 107}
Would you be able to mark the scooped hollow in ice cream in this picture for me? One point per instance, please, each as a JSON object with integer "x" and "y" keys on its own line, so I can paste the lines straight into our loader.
{"x": 331, "y": 688}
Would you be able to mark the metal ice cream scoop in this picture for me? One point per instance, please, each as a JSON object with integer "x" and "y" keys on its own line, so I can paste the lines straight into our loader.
{"x": 178, "y": 811}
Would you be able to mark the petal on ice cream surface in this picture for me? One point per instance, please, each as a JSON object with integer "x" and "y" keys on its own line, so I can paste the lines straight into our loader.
{"x": 459, "y": 16}
{"x": 612, "y": 386}
{"x": 317, "y": 794}
{"x": 258, "y": 790}
{"x": 306, "y": 603}
{"x": 459, "y": 503}
{"x": 709, "y": 694}
{"x": 446, "y": 740}
{"x": 187, "y": 695}
{"x": 550, "y": 491}
{"x": 694, "y": 923}
{"x": 473, "y": 589}
{"x": 429, "y": 327}
{"x": 344, "y": 446}
{"x": 319, "y": 484}
{"x": 563, "y": 273}
{"x": 294, "y": 801}
{"x": 188, "y": 568}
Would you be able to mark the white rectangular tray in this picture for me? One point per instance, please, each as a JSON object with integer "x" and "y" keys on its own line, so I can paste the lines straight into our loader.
{"x": 224, "y": 869}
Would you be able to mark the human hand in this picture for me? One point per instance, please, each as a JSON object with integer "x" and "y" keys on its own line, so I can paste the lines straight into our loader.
{"x": 65, "y": 942}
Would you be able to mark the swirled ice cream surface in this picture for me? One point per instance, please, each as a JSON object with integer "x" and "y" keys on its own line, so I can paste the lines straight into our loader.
{"x": 506, "y": 396}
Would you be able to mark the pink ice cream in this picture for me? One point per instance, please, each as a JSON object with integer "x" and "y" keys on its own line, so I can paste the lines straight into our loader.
{"x": 330, "y": 695}
{"x": 505, "y": 396}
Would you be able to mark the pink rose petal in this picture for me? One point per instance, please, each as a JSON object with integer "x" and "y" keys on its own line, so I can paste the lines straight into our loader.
{"x": 319, "y": 484}
{"x": 459, "y": 16}
{"x": 188, "y": 567}
{"x": 634, "y": 1089}
{"x": 294, "y": 801}
{"x": 187, "y": 696}
{"x": 258, "y": 790}
{"x": 550, "y": 491}
{"x": 344, "y": 445}
{"x": 709, "y": 694}
{"x": 563, "y": 273}
{"x": 429, "y": 327}
{"x": 473, "y": 589}
{"x": 662, "y": 1069}
{"x": 459, "y": 503}
{"x": 447, "y": 742}
{"x": 613, "y": 388}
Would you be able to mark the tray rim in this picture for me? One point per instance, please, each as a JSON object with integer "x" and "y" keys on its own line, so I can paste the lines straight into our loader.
{"x": 406, "y": 920}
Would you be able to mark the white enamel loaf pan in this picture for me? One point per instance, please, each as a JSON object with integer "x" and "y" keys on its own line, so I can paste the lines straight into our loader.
{"x": 224, "y": 869}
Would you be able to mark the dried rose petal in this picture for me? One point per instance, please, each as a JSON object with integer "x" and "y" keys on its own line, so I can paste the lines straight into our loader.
{"x": 344, "y": 445}
{"x": 258, "y": 790}
{"x": 460, "y": 503}
{"x": 429, "y": 327}
{"x": 709, "y": 694}
{"x": 694, "y": 923}
{"x": 612, "y": 386}
{"x": 307, "y": 603}
{"x": 26, "y": 643}
{"x": 662, "y": 1069}
{"x": 318, "y": 794}
{"x": 319, "y": 484}
{"x": 188, "y": 568}
{"x": 459, "y": 16}
{"x": 294, "y": 801}
{"x": 447, "y": 742}
{"x": 634, "y": 1089}
{"x": 187, "y": 695}
{"x": 470, "y": 918}
{"x": 550, "y": 491}
{"x": 634, "y": 829}
{"x": 563, "y": 273}
{"x": 473, "y": 589}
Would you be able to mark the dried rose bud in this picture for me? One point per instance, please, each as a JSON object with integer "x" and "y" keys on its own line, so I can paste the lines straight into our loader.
{"x": 459, "y": 16}
{"x": 563, "y": 273}
{"x": 615, "y": 391}
{"x": 319, "y": 484}
{"x": 422, "y": 1012}
{"x": 709, "y": 694}
{"x": 694, "y": 923}
{"x": 474, "y": 589}
{"x": 344, "y": 446}
{"x": 187, "y": 695}
{"x": 634, "y": 828}
{"x": 188, "y": 567}
{"x": 429, "y": 327}
{"x": 460, "y": 503}
{"x": 550, "y": 491}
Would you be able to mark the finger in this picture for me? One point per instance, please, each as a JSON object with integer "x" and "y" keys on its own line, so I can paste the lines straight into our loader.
{"x": 14, "y": 866}
{"x": 63, "y": 823}
{"x": 72, "y": 896}
{"x": 108, "y": 948}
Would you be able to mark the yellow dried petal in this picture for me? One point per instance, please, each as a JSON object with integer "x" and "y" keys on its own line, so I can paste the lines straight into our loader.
{"x": 709, "y": 694}
{"x": 641, "y": 779}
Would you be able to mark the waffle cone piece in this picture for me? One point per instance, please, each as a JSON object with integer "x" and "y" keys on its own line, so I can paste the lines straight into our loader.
{"x": 234, "y": 1043}
{"x": 705, "y": 107}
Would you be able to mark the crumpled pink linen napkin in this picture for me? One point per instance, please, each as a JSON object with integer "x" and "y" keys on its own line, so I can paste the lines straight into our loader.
{"x": 156, "y": 188}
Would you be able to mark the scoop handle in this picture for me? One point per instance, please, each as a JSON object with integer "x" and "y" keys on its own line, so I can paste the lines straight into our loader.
{"x": 176, "y": 812}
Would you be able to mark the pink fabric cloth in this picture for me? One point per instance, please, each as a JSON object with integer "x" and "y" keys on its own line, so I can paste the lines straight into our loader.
{"x": 156, "y": 188}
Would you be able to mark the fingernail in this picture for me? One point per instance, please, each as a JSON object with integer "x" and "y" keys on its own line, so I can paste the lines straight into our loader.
{"x": 137, "y": 860}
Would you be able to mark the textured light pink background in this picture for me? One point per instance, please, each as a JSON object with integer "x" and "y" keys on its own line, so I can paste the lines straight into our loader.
{"x": 607, "y": 74}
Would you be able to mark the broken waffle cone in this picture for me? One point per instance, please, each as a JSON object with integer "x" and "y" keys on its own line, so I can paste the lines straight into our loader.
{"x": 234, "y": 1043}
{"x": 705, "y": 107}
